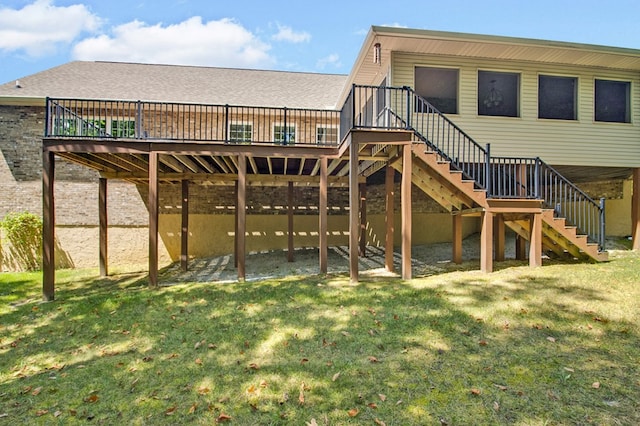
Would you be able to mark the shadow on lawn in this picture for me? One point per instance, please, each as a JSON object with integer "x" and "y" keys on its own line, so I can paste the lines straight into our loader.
{"x": 471, "y": 350}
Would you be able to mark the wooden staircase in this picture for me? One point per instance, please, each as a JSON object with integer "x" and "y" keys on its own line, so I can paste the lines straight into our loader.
{"x": 447, "y": 187}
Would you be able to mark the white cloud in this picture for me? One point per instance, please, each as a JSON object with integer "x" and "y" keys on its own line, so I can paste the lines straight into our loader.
{"x": 190, "y": 42}
{"x": 333, "y": 60}
{"x": 395, "y": 25}
{"x": 288, "y": 34}
{"x": 39, "y": 27}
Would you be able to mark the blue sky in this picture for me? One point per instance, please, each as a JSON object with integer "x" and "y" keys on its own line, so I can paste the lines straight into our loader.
{"x": 320, "y": 36}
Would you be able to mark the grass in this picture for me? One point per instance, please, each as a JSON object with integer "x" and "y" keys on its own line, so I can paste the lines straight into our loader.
{"x": 547, "y": 346}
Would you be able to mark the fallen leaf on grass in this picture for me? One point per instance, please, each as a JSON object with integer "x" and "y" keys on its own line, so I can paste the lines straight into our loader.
{"x": 335, "y": 377}
{"x": 263, "y": 384}
{"x": 496, "y": 406}
{"x": 345, "y": 333}
{"x": 37, "y": 391}
{"x": 353, "y": 412}
{"x": 382, "y": 397}
{"x": 379, "y": 422}
{"x": 170, "y": 411}
{"x": 41, "y": 413}
{"x": 57, "y": 413}
{"x": 313, "y": 422}
{"x": 202, "y": 390}
{"x": 501, "y": 387}
{"x": 254, "y": 366}
{"x": 551, "y": 339}
{"x": 303, "y": 361}
{"x": 198, "y": 361}
{"x": 596, "y": 385}
{"x": 223, "y": 418}
{"x": 252, "y": 389}
{"x": 372, "y": 405}
{"x": 482, "y": 343}
{"x": 192, "y": 409}
{"x": 92, "y": 398}
{"x": 373, "y": 359}
{"x": 301, "y": 394}
{"x": 475, "y": 391}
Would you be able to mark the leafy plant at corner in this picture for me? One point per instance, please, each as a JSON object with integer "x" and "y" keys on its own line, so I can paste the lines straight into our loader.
{"x": 24, "y": 233}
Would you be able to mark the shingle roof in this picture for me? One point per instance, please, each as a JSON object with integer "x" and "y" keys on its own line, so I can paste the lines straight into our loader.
{"x": 189, "y": 84}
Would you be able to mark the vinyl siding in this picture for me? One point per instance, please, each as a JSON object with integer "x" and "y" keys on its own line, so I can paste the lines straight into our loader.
{"x": 580, "y": 142}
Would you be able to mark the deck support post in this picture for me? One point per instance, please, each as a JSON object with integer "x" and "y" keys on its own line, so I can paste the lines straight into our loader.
{"x": 103, "y": 227}
{"x": 354, "y": 211}
{"x": 290, "y": 208}
{"x": 405, "y": 201}
{"x": 184, "y": 236}
{"x": 241, "y": 216}
{"x": 48, "y": 227}
{"x": 521, "y": 248}
{"x": 635, "y": 210}
{"x": 457, "y": 238}
{"x": 322, "y": 225}
{"x": 535, "y": 241}
{"x": 235, "y": 228}
{"x": 486, "y": 242}
{"x": 499, "y": 231}
{"x": 363, "y": 220}
{"x": 154, "y": 187}
{"x": 389, "y": 186}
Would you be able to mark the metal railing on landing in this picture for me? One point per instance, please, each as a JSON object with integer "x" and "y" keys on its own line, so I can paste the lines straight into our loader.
{"x": 165, "y": 121}
{"x": 377, "y": 107}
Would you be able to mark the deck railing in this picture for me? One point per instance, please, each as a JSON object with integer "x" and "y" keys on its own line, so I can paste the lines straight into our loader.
{"x": 86, "y": 118}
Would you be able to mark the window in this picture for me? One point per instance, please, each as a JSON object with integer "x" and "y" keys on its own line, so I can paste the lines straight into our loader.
{"x": 557, "y": 97}
{"x": 280, "y": 135}
{"x": 240, "y": 132}
{"x": 327, "y": 135}
{"x": 65, "y": 127}
{"x": 439, "y": 86}
{"x": 612, "y": 101}
{"x": 498, "y": 93}
{"x": 94, "y": 127}
{"x": 123, "y": 128}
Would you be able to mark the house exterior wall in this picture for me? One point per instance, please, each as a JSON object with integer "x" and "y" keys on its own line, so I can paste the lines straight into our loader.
{"x": 580, "y": 142}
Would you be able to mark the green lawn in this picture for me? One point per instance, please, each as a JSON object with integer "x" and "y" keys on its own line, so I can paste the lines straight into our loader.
{"x": 547, "y": 346}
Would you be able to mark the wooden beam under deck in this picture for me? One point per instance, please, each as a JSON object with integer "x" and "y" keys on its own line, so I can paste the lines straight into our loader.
{"x": 405, "y": 202}
{"x": 48, "y": 227}
{"x": 103, "y": 227}
{"x": 184, "y": 236}
{"x": 153, "y": 203}
{"x": 323, "y": 220}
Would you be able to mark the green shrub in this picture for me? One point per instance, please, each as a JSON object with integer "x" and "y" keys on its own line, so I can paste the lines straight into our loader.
{"x": 24, "y": 233}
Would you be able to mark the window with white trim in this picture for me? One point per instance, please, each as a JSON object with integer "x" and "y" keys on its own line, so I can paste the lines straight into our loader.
{"x": 240, "y": 132}
{"x": 439, "y": 86}
{"x": 612, "y": 101}
{"x": 284, "y": 135}
{"x": 327, "y": 135}
{"x": 499, "y": 93}
{"x": 557, "y": 97}
{"x": 123, "y": 128}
